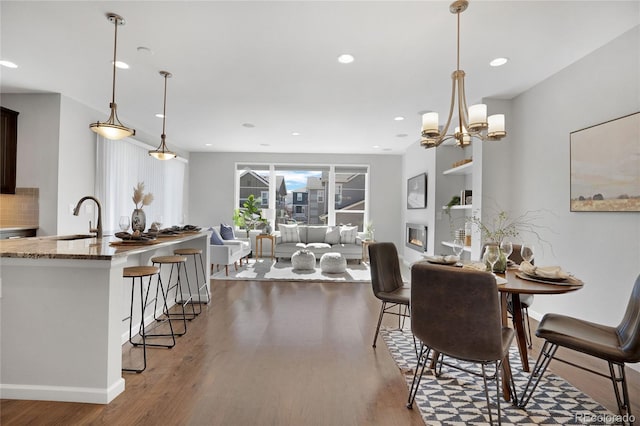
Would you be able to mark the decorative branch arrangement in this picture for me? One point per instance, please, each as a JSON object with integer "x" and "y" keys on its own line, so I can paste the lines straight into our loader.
{"x": 139, "y": 198}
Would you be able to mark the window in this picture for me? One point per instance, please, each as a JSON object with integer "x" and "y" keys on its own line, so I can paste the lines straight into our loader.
{"x": 120, "y": 166}
{"x": 304, "y": 193}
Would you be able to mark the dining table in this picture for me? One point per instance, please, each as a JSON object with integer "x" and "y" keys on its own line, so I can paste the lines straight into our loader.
{"x": 518, "y": 283}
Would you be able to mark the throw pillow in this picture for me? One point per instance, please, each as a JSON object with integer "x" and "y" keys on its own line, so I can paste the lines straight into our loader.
{"x": 289, "y": 233}
{"x": 316, "y": 234}
{"x": 216, "y": 240}
{"x": 348, "y": 234}
{"x": 226, "y": 232}
{"x": 332, "y": 235}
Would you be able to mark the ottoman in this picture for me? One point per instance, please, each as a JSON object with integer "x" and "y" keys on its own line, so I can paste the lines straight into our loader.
{"x": 333, "y": 263}
{"x": 303, "y": 260}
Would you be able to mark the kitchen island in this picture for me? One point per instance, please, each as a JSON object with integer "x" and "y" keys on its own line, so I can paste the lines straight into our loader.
{"x": 62, "y": 304}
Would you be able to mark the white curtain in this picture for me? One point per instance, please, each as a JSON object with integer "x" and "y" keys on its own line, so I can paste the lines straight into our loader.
{"x": 120, "y": 165}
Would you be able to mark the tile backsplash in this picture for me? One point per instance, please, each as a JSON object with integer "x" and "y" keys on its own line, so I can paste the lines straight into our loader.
{"x": 19, "y": 209}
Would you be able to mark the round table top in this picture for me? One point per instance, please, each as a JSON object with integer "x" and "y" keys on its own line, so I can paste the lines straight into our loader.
{"x": 519, "y": 285}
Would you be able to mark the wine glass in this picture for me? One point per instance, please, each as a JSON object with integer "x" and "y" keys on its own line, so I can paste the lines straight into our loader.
{"x": 158, "y": 222}
{"x": 458, "y": 248}
{"x": 491, "y": 255}
{"x": 527, "y": 252}
{"x": 124, "y": 223}
{"x": 506, "y": 247}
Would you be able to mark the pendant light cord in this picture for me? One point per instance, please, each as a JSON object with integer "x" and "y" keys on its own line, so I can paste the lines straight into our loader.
{"x": 115, "y": 46}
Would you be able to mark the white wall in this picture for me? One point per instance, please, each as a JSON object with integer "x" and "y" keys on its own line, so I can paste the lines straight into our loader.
{"x": 603, "y": 249}
{"x": 211, "y": 176}
{"x": 38, "y": 136}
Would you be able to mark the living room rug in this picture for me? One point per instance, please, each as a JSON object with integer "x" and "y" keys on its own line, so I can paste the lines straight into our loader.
{"x": 457, "y": 397}
{"x": 268, "y": 269}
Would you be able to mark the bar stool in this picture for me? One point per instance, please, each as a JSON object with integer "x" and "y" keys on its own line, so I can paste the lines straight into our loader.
{"x": 140, "y": 272}
{"x": 199, "y": 287}
{"x": 177, "y": 263}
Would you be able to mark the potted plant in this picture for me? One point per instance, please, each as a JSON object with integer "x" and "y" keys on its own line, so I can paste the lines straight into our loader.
{"x": 502, "y": 226}
{"x": 250, "y": 214}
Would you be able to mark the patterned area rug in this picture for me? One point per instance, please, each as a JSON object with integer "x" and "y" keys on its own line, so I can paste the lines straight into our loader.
{"x": 457, "y": 397}
{"x": 267, "y": 269}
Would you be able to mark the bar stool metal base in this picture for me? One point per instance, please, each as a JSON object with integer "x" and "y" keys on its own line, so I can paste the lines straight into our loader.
{"x": 140, "y": 272}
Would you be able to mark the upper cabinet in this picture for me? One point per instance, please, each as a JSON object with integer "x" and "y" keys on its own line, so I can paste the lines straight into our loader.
{"x": 8, "y": 150}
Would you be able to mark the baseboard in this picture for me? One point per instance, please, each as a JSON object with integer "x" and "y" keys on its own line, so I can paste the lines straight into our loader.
{"x": 62, "y": 393}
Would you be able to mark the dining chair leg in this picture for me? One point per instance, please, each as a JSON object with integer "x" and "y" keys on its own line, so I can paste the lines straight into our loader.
{"x": 620, "y": 381}
{"x": 486, "y": 392}
{"x": 422, "y": 358}
{"x": 544, "y": 359}
{"x": 384, "y": 304}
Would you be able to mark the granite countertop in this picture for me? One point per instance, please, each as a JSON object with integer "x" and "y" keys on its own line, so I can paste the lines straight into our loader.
{"x": 106, "y": 248}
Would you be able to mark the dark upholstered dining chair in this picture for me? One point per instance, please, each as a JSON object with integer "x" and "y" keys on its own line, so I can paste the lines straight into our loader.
{"x": 456, "y": 312}
{"x": 387, "y": 283}
{"x": 615, "y": 345}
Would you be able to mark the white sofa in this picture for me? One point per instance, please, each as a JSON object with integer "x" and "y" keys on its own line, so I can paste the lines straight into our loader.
{"x": 230, "y": 252}
{"x": 319, "y": 239}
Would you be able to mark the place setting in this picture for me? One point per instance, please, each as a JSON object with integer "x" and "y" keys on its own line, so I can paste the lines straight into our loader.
{"x": 542, "y": 274}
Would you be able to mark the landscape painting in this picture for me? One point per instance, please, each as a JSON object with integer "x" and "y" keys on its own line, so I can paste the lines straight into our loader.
{"x": 605, "y": 166}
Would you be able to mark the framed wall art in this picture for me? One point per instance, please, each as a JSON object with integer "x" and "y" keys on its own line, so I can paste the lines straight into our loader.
{"x": 605, "y": 166}
{"x": 417, "y": 192}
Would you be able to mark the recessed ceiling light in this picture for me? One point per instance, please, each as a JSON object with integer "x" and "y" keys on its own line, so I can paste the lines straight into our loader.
{"x": 208, "y": 144}
{"x": 159, "y": 115}
{"x": 498, "y": 62}
{"x": 121, "y": 65}
{"x": 401, "y": 135}
{"x": 248, "y": 125}
{"x": 345, "y": 58}
{"x": 375, "y": 146}
{"x": 295, "y": 134}
{"x": 8, "y": 64}
{"x": 398, "y": 118}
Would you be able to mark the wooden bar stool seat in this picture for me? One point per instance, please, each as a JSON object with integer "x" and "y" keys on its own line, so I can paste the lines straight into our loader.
{"x": 141, "y": 272}
{"x": 201, "y": 286}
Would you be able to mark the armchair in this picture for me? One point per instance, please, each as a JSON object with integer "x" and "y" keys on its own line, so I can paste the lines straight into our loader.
{"x": 230, "y": 252}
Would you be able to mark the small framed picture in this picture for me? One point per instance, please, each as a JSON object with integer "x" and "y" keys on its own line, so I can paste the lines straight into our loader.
{"x": 417, "y": 192}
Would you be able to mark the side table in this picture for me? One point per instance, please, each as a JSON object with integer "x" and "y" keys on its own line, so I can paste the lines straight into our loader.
{"x": 259, "y": 240}
{"x": 365, "y": 249}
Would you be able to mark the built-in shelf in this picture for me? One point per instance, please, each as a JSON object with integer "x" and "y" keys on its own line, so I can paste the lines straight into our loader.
{"x": 465, "y": 169}
{"x": 458, "y": 207}
{"x": 450, "y": 244}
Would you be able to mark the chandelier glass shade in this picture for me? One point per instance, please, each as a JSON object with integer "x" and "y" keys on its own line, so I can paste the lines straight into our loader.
{"x": 162, "y": 152}
{"x": 472, "y": 122}
{"x": 113, "y": 128}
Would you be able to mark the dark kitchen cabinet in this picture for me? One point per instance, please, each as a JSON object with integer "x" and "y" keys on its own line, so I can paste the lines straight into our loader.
{"x": 8, "y": 150}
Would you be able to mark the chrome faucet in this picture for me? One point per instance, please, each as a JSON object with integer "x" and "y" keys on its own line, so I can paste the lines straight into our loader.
{"x": 98, "y": 229}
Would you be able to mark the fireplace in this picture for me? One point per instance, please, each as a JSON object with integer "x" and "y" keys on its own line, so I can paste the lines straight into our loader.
{"x": 416, "y": 237}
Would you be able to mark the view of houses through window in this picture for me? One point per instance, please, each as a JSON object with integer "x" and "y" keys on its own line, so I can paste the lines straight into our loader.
{"x": 302, "y": 194}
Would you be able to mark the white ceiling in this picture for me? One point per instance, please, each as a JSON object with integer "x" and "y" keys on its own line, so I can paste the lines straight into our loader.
{"x": 273, "y": 64}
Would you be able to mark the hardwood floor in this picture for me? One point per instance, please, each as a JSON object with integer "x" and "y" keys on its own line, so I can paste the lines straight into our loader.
{"x": 269, "y": 353}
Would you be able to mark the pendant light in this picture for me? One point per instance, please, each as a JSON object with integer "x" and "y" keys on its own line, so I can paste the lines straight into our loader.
{"x": 113, "y": 128}
{"x": 162, "y": 152}
{"x": 472, "y": 121}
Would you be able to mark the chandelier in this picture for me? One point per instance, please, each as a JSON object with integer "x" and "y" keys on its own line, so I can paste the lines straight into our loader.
{"x": 162, "y": 152}
{"x": 113, "y": 128}
{"x": 472, "y": 122}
